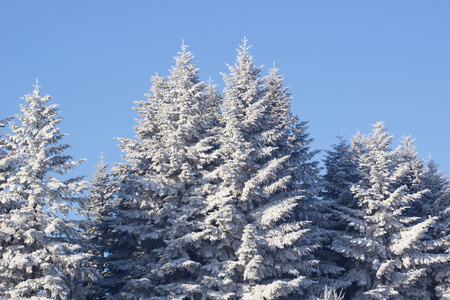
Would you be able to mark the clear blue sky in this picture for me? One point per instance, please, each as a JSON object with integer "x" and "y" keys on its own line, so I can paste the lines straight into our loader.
{"x": 349, "y": 64}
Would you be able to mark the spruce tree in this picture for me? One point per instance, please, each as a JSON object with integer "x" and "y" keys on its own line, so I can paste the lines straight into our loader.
{"x": 154, "y": 250}
{"x": 341, "y": 174}
{"x": 42, "y": 254}
{"x": 436, "y": 200}
{"x": 437, "y": 203}
{"x": 99, "y": 220}
{"x": 384, "y": 242}
{"x": 410, "y": 172}
{"x": 255, "y": 246}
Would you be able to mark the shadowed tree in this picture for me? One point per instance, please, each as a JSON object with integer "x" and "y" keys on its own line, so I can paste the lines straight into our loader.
{"x": 384, "y": 241}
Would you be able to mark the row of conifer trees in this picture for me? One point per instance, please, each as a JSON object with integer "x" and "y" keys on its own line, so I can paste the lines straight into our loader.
{"x": 219, "y": 196}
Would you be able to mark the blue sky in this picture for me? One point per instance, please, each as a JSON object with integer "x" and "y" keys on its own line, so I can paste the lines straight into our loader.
{"x": 349, "y": 64}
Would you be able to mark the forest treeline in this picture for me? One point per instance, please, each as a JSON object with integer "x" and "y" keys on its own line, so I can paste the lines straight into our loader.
{"x": 219, "y": 196}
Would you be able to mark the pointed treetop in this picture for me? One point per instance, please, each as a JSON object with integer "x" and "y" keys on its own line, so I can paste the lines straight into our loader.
{"x": 407, "y": 142}
{"x": 244, "y": 46}
{"x": 245, "y": 59}
{"x": 102, "y": 157}
{"x": 432, "y": 165}
{"x": 245, "y": 40}
{"x": 273, "y": 72}
{"x": 379, "y": 126}
{"x": 36, "y": 91}
{"x": 183, "y": 46}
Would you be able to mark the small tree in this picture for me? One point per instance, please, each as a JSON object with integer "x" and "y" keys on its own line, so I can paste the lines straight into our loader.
{"x": 385, "y": 243}
{"x": 99, "y": 221}
{"x": 341, "y": 174}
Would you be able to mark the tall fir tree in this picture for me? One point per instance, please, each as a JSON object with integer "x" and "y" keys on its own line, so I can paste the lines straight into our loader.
{"x": 255, "y": 246}
{"x": 42, "y": 254}
{"x": 384, "y": 242}
{"x": 159, "y": 198}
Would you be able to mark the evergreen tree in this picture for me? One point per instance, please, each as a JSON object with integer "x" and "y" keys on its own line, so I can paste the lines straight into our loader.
{"x": 98, "y": 208}
{"x": 386, "y": 244}
{"x": 409, "y": 174}
{"x": 42, "y": 255}
{"x": 341, "y": 174}
{"x": 436, "y": 200}
{"x": 254, "y": 245}
{"x": 154, "y": 251}
{"x": 437, "y": 203}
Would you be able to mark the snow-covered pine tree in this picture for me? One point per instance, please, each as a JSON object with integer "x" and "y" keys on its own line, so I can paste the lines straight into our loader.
{"x": 341, "y": 174}
{"x": 42, "y": 254}
{"x": 255, "y": 246}
{"x": 437, "y": 203}
{"x": 98, "y": 210}
{"x": 386, "y": 245}
{"x": 154, "y": 251}
{"x": 436, "y": 200}
{"x": 409, "y": 174}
